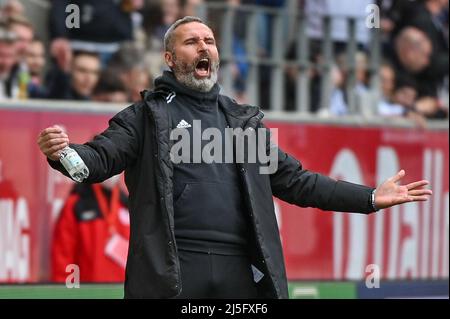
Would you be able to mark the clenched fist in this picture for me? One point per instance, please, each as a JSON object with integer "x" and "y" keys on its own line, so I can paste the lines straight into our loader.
{"x": 52, "y": 140}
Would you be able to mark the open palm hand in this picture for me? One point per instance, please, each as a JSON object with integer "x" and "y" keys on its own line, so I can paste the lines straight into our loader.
{"x": 391, "y": 193}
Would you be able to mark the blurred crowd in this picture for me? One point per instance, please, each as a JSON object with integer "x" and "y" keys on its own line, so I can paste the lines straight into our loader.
{"x": 413, "y": 67}
{"x": 414, "y": 74}
{"x": 114, "y": 56}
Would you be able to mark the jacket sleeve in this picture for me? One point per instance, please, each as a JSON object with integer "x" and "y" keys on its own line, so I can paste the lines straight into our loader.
{"x": 109, "y": 153}
{"x": 296, "y": 185}
{"x": 64, "y": 241}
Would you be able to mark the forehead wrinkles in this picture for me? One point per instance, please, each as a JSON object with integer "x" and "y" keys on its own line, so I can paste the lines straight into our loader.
{"x": 193, "y": 30}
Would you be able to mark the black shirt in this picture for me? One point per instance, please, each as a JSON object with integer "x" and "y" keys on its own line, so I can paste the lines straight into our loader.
{"x": 210, "y": 215}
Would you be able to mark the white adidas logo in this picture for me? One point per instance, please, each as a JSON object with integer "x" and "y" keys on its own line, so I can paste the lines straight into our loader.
{"x": 183, "y": 124}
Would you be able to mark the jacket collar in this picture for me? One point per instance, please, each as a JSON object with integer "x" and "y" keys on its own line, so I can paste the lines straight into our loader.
{"x": 237, "y": 115}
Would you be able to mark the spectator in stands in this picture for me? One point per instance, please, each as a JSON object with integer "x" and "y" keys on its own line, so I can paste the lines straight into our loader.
{"x": 24, "y": 31}
{"x": 413, "y": 58}
{"x": 361, "y": 85}
{"x": 168, "y": 11}
{"x": 92, "y": 232}
{"x": 413, "y": 50}
{"x": 361, "y": 90}
{"x": 426, "y": 16}
{"x": 361, "y": 71}
{"x": 405, "y": 94}
{"x": 338, "y": 103}
{"x": 8, "y": 78}
{"x": 128, "y": 62}
{"x": 103, "y": 26}
{"x": 7, "y": 62}
{"x": 75, "y": 79}
{"x": 398, "y": 97}
{"x": 392, "y": 12}
{"x": 35, "y": 59}
{"x": 387, "y": 107}
{"x": 110, "y": 88}
{"x": 12, "y": 8}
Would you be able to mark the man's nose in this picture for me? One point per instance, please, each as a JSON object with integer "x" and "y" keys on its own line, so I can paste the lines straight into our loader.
{"x": 202, "y": 46}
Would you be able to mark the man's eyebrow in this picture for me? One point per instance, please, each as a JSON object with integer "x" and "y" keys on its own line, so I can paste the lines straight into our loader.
{"x": 196, "y": 38}
{"x": 191, "y": 38}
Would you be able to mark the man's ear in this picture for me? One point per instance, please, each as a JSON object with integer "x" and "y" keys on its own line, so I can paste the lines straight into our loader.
{"x": 168, "y": 56}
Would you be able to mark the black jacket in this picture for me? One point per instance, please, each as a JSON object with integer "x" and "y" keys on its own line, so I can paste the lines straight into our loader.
{"x": 137, "y": 141}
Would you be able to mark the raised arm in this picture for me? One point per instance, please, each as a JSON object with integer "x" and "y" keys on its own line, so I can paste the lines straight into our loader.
{"x": 108, "y": 154}
{"x": 296, "y": 185}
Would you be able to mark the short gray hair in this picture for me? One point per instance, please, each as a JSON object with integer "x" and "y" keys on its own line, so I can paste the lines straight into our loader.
{"x": 168, "y": 37}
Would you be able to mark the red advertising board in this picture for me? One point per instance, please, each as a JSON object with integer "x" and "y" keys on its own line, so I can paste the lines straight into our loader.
{"x": 410, "y": 241}
{"x": 31, "y": 193}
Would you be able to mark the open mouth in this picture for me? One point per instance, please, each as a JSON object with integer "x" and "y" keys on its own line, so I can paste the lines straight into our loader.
{"x": 202, "y": 68}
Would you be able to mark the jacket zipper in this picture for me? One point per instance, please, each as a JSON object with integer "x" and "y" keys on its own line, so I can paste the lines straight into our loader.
{"x": 172, "y": 238}
{"x": 252, "y": 214}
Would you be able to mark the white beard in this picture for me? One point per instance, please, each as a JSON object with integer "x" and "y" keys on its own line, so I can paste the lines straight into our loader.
{"x": 185, "y": 74}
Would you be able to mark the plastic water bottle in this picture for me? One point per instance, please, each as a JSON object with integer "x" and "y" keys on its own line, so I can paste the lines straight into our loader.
{"x": 74, "y": 164}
